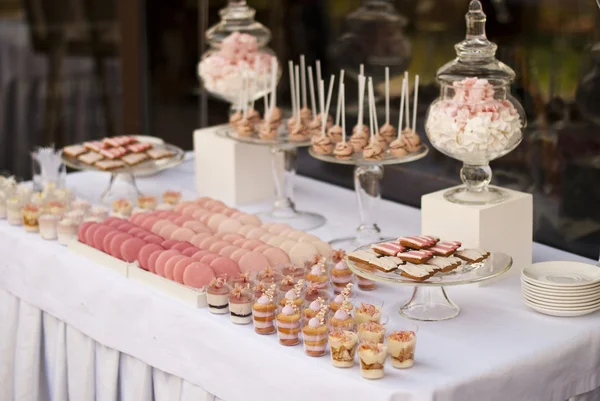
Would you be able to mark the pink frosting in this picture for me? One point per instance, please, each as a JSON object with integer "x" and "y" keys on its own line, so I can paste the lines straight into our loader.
{"x": 341, "y": 266}
{"x": 290, "y": 294}
{"x": 315, "y": 305}
{"x": 288, "y": 310}
{"x": 341, "y": 314}
{"x": 339, "y": 299}
{"x": 314, "y": 322}
{"x": 263, "y": 300}
{"x": 316, "y": 270}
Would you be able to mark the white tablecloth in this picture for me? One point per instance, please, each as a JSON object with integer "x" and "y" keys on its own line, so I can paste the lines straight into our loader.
{"x": 71, "y": 330}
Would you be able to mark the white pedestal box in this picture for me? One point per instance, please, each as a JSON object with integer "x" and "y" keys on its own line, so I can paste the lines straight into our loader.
{"x": 505, "y": 227}
{"x": 231, "y": 171}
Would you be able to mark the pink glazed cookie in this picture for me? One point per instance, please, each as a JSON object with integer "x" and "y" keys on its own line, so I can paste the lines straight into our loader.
{"x": 253, "y": 261}
{"x": 223, "y": 266}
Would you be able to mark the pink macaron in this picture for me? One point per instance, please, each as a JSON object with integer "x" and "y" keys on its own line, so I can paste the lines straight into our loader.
{"x": 237, "y": 255}
{"x": 224, "y": 266}
{"x": 168, "y": 244}
{"x": 256, "y": 233}
{"x": 250, "y": 219}
{"x": 214, "y": 222}
{"x": 197, "y": 239}
{"x": 155, "y": 239}
{"x": 207, "y": 242}
{"x": 115, "y": 245}
{"x": 145, "y": 252}
{"x": 239, "y": 242}
{"x": 152, "y": 260}
{"x": 182, "y": 234}
{"x": 198, "y": 275}
{"x": 196, "y": 226}
{"x": 82, "y": 229}
{"x": 149, "y": 223}
{"x": 131, "y": 248}
{"x": 182, "y": 246}
{"x": 276, "y": 256}
{"x": 252, "y": 244}
{"x": 135, "y": 231}
{"x": 229, "y": 225}
{"x": 179, "y": 269}
{"x": 168, "y": 230}
{"x": 200, "y": 254}
{"x": 180, "y": 220}
{"x": 228, "y": 250}
{"x": 170, "y": 265}
{"x": 89, "y": 233}
{"x": 156, "y": 227}
{"x": 232, "y": 237}
{"x": 208, "y": 258}
{"x": 244, "y": 230}
{"x": 217, "y": 246}
{"x": 190, "y": 251}
{"x": 253, "y": 261}
{"x": 99, "y": 235}
{"x": 162, "y": 260}
{"x": 107, "y": 238}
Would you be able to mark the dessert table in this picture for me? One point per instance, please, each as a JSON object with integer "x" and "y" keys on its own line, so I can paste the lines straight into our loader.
{"x": 71, "y": 329}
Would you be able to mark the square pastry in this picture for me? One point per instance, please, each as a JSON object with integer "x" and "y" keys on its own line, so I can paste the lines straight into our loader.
{"x": 444, "y": 264}
{"x": 416, "y": 272}
{"x": 113, "y": 153}
{"x": 417, "y": 241}
{"x": 445, "y": 248}
{"x": 94, "y": 146}
{"x": 363, "y": 258}
{"x": 386, "y": 263}
{"x": 74, "y": 151}
{"x": 472, "y": 255}
{"x": 388, "y": 248}
{"x": 90, "y": 158}
{"x": 416, "y": 256}
{"x": 139, "y": 147}
{"x": 159, "y": 153}
{"x": 109, "y": 164}
{"x": 134, "y": 158}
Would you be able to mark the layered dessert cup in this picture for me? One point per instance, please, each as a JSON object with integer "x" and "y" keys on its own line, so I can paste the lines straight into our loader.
{"x": 314, "y": 336}
{"x": 312, "y": 310}
{"x": 367, "y": 312}
{"x": 67, "y": 231}
{"x": 217, "y": 296}
{"x": 372, "y": 360}
{"x": 171, "y": 197}
{"x": 343, "y": 344}
{"x": 263, "y": 313}
{"x": 48, "y": 226}
{"x": 341, "y": 320}
{"x": 366, "y": 284}
{"x": 341, "y": 275}
{"x": 288, "y": 325}
{"x": 318, "y": 277}
{"x": 371, "y": 332}
{"x": 291, "y": 296}
{"x": 240, "y": 305}
{"x": 401, "y": 345}
{"x": 31, "y": 215}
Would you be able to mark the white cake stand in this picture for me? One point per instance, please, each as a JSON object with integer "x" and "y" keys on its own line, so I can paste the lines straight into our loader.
{"x": 429, "y": 301}
{"x": 284, "y": 208}
{"x": 367, "y": 185}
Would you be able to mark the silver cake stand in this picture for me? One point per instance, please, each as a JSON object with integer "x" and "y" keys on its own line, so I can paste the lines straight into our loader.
{"x": 429, "y": 300}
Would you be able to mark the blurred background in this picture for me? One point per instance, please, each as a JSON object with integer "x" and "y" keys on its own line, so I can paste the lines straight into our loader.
{"x": 72, "y": 70}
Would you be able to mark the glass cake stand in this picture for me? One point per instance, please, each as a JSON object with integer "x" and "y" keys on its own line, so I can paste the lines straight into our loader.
{"x": 284, "y": 208}
{"x": 429, "y": 300}
{"x": 367, "y": 185}
{"x": 122, "y": 182}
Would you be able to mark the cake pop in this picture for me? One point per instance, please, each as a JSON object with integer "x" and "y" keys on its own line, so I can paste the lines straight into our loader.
{"x": 360, "y": 138}
{"x": 298, "y": 133}
{"x": 399, "y": 147}
{"x": 291, "y": 122}
{"x": 305, "y": 113}
{"x": 322, "y": 144}
{"x": 343, "y": 150}
{"x": 374, "y": 150}
{"x": 335, "y": 132}
{"x": 409, "y": 133}
{"x": 387, "y": 130}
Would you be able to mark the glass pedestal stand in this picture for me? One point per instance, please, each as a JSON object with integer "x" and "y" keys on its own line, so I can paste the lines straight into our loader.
{"x": 367, "y": 185}
{"x": 284, "y": 154}
{"x": 284, "y": 208}
{"x": 429, "y": 301}
{"x": 121, "y": 185}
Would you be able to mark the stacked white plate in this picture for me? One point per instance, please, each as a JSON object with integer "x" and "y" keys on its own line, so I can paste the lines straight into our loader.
{"x": 564, "y": 289}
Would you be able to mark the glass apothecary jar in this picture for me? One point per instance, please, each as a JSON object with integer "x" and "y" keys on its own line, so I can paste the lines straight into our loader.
{"x": 475, "y": 119}
{"x": 238, "y": 55}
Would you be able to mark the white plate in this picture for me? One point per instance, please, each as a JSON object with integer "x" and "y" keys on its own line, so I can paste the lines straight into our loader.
{"x": 560, "y": 305}
{"x": 590, "y": 288}
{"x": 573, "y": 292}
{"x": 559, "y": 313}
{"x": 562, "y": 274}
{"x": 560, "y": 300}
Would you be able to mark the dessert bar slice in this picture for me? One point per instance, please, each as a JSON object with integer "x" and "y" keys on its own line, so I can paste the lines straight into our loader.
{"x": 159, "y": 153}
{"x": 113, "y": 153}
{"x": 139, "y": 147}
{"x": 74, "y": 150}
{"x": 417, "y": 241}
{"x": 417, "y": 257}
{"x": 416, "y": 272}
{"x": 363, "y": 258}
{"x": 94, "y": 146}
{"x": 134, "y": 158}
{"x": 386, "y": 263}
{"x": 90, "y": 158}
{"x": 109, "y": 164}
{"x": 444, "y": 264}
{"x": 472, "y": 255}
{"x": 118, "y": 141}
{"x": 388, "y": 248}
{"x": 445, "y": 248}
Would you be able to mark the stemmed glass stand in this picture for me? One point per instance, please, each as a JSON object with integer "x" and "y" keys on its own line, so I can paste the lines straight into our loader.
{"x": 121, "y": 185}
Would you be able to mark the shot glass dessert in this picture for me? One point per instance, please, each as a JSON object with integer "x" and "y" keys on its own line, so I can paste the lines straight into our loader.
{"x": 245, "y": 280}
{"x": 147, "y": 202}
{"x": 67, "y": 231}
{"x": 75, "y": 216}
{"x": 342, "y": 319}
{"x": 263, "y": 312}
{"x": 315, "y": 334}
{"x": 313, "y": 308}
{"x": 99, "y": 212}
{"x": 288, "y": 325}
{"x": 312, "y": 292}
{"x": 49, "y": 226}
{"x": 217, "y": 296}
{"x": 293, "y": 270}
{"x": 401, "y": 345}
{"x": 341, "y": 275}
{"x": 339, "y": 299}
{"x": 318, "y": 276}
{"x": 171, "y": 197}
{"x": 240, "y": 305}
{"x": 287, "y": 283}
{"x": 368, "y": 312}
{"x": 14, "y": 211}
{"x": 81, "y": 205}
{"x": 343, "y": 344}
{"x": 122, "y": 208}
{"x": 371, "y": 332}
{"x": 366, "y": 284}
{"x": 57, "y": 208}
{"x": 372, "y": 360}
{"x": 268, "y": 275}
{"x": 31, "y": 215}
{"x": 293, "y": 297}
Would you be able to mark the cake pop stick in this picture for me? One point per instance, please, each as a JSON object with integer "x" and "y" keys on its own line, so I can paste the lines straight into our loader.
{"x": 254, "y": 81}
{"x": 372, "y": 100}
{"x": 312, "y": 91}
{"x": 407, "y": 102}
{"x": 303, "y": 77}
{"x": 321, "y": 88}
{"x": 371, "y": 131}
{"x": 273, "y": 86}
{"x": 292, "y": 87}
{"x": 343, "y": 112}
{"x": 401, "y": 118}
{"x": 387, "y": 95}
{"x": 416, "y": 97}
{"x": 297, "y": 97}
{"x": 362, "y": 69}
{"x": 318, "y": 66}
{"x": 324, "y": 117}
{"x": 337, "y": 111}
{"x": 245, "y": 95}
{"x": 361, "y": 100}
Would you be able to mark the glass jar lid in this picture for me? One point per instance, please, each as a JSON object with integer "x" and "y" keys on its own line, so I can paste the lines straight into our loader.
{"x": 476, "y": 55}
{"x": 237, "y": 17}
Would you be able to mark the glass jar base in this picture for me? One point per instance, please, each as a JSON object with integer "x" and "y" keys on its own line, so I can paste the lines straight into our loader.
{"x": 464, "y": 196}
{"x": 298, "y": 220}
{"x": 429, "y": 304}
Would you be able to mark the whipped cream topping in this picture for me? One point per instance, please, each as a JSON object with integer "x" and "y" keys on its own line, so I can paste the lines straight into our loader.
{"x": 314, "y": 322}
{"x": 339, "y": 299}
{"x": 341, "y": 266}
{"x": 291, "y": 294}
{"x": 341, "y": 314}
{"x": 316, "y": 270}
{"x": 263, "y": 300}
{"x": 315, "y": 305}
{"x": 288, "y": 310}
